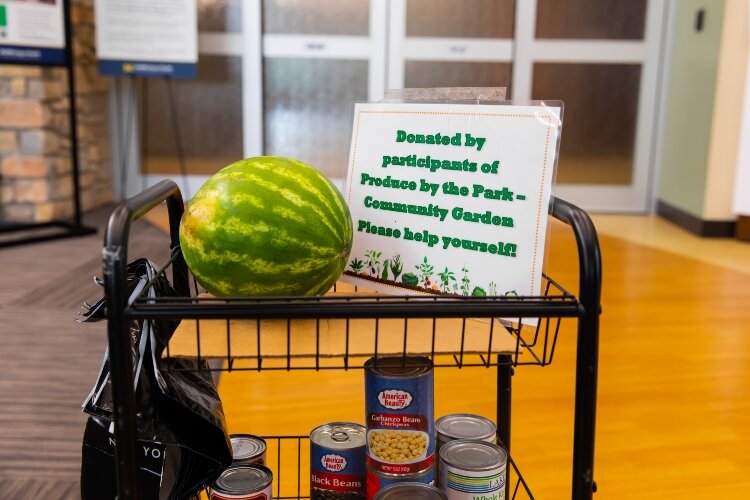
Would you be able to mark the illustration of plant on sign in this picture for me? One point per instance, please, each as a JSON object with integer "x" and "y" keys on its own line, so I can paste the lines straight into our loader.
{"x": 373, "y": 261}
{"x": 493, "y": 288}
{"x": 385, "y": 269}
{"x": 425, "y": 271}
{"x": 465, "y": 281}
{"x": 445, "y": 279}
{"x": 356, "y": 265}
{"x": 396, "y": 266}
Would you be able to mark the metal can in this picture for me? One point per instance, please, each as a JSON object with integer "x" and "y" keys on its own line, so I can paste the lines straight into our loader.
{"x": 376, "y": 481}
{"x": 399, "y": 404}
{"x": 462, "y": 426}
{"x": 337, "y": 462}
{"x": 243, "y": 482}
{"x": 410, "y": 491}
{"x": 248, "y": 449}
{"x": 470, "y": 469}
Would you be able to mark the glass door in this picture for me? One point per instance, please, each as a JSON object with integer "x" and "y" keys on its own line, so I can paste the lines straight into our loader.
{"x": 599, "y": 56}
{"x": 444, "y": 43}
{"x": 317, "y": 59}
{"x": 602, "y": 58}
{"x": 189, "y": 129}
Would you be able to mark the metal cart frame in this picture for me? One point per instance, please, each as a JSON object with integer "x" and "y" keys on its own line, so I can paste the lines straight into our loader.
{"x": 586, "y": 308}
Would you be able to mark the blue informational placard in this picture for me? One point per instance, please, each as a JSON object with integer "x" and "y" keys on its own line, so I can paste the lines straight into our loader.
{"x": 42, "y": 56}
{"x": 145, "y": 69}
{"x": 32, "y": 32}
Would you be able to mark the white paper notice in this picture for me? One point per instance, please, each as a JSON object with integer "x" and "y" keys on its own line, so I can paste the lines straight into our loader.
{"x": 147, "y": 30}
{"x": 32, "y": 32}
{"x": 451, "y": 198}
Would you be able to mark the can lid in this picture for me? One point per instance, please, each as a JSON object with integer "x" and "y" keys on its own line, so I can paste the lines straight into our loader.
{"x": 399, "y": 366}
{"x": 465, "y": 426}
{"x": 410, "y": 491}
{"x": 246, "y": 446}
{"x": 472, "y": 454}
{"x": 339, "y": 435}
{"x": 244, "y": 479}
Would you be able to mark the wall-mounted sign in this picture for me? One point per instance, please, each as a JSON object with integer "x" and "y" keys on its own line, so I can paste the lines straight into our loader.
{"x": 451, "y": 198}
{"x": 147, "y": 37}
{"x": 32, "y": 31}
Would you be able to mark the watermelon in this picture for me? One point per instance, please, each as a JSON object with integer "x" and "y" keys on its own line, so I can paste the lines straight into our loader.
{"x": 266, "y": 226}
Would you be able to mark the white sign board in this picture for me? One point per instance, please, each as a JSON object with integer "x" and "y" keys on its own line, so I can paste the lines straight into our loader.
{"x": 32, "y": 31}
{"x": 451, "y": 198}
{"x": 147, "y": 37}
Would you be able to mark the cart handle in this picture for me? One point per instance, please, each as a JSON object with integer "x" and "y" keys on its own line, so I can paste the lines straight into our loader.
{"x": 115, "y": 257}
{"x": 587, "y": 351}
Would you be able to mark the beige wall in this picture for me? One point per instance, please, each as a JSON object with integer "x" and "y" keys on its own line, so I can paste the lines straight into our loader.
{"x": 730, "y": 87}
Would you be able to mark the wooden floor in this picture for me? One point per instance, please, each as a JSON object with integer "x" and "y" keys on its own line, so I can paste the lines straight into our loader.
{"x": 674, "y": 383}
{"x": 49, "y": 362}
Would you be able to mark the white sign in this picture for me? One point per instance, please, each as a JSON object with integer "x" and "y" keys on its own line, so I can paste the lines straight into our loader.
{"x": 451, "y": 198}
{"x": 147, "y": 37}
{"x": 32, "y": 31}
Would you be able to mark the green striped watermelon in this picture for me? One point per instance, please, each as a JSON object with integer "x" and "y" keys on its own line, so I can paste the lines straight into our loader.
{"x": 266, "y": 226}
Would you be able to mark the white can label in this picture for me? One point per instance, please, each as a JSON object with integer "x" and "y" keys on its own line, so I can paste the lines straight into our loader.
{"x": 470, "y": 485}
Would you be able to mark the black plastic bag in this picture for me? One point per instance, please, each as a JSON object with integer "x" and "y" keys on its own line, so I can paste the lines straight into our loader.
{"x": 183, "y": 442}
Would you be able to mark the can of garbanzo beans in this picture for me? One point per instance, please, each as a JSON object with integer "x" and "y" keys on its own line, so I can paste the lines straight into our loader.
{"x": 399, "y": 405}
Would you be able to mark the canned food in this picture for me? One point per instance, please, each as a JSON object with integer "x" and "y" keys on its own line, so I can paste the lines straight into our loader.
{"x": 243, "y": 482}
{"x": 410, "y": 491}
{"x": 376, "y": 481}
{"x": 462, "y": 426}
{"x": 248, "y": 449}
{"x": 469, "y": 468}
{"x": 337, "y": 462}
{"x": 399, "y": 400}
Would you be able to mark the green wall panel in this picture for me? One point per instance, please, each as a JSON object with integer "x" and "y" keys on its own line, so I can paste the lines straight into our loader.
{"x": 689, "y": 112}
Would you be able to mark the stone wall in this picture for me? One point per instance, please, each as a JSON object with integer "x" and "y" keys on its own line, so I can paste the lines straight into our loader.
{"x": 35, "y": 157}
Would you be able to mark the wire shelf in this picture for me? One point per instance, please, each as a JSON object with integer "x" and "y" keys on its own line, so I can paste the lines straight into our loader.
{"x": 289, "y": 459}
{"x": 343, "y": 329}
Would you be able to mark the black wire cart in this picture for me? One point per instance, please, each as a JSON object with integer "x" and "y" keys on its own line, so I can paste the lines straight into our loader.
{"x": 537, "y": 345}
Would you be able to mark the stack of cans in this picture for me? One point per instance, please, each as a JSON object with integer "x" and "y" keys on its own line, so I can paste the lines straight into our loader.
{"x": 463, "y": 426}
{"x": 247, "y": 478}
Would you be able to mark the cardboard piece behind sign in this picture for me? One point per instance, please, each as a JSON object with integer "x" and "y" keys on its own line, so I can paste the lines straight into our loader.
{"x": 333, "y": 339}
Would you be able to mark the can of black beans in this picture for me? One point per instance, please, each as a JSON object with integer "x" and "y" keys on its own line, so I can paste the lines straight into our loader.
{"x": 377, "y": 480}
{"x": 410, "y": 491}
{"x": 337, "y": 462}
{"x": 248, "y": 449}
{"x": 243, "y": 482}
{"x": 462, "y": 426}
{"x": 471, "y": 469}
{"x": 399, "y": 405}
